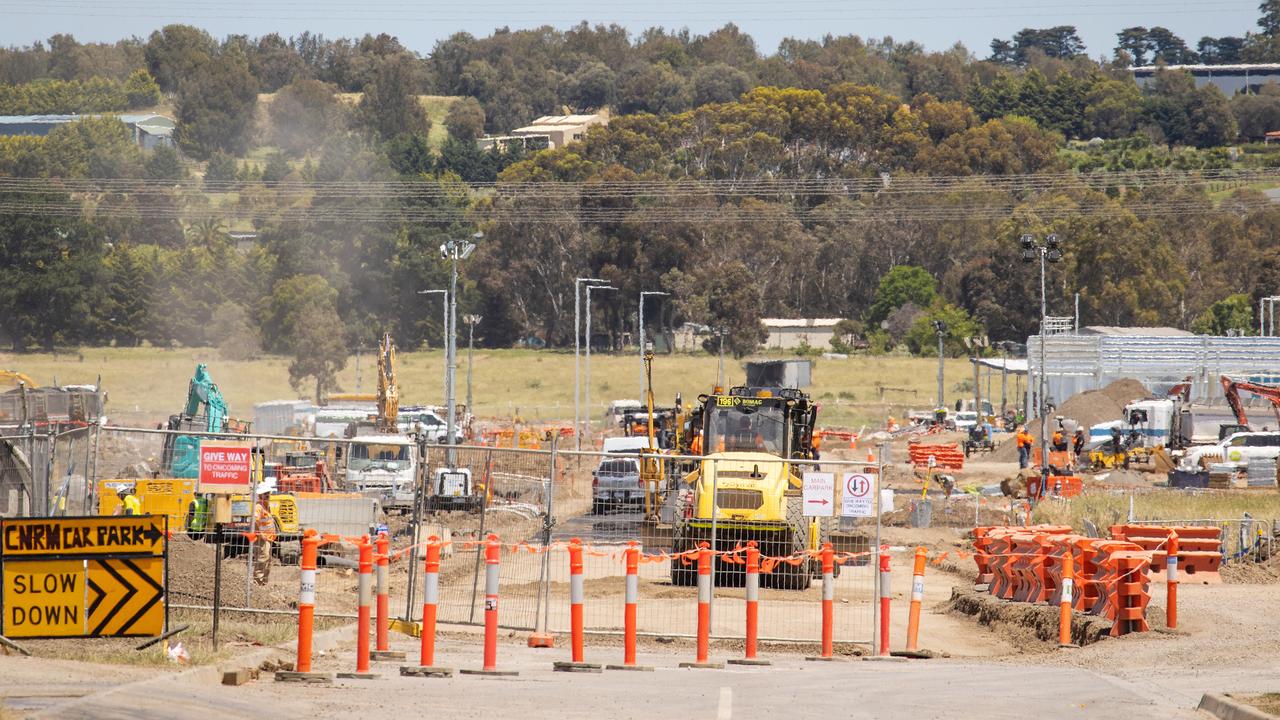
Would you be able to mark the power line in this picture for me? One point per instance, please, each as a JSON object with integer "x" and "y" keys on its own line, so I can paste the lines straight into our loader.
{"x": 861, "y": 200}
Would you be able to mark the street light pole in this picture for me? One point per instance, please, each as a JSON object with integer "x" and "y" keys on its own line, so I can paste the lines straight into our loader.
{"x": 640, "y": 329}
{"x": 588, "y": 333}
{"x": 454, "y": 250}
{"x": 577, "y": 365}
{"x": 471, "y": 321}
{"x": 1048, "y": 252}
{"x": 940, "y": 329}
{"x": 720, "y": 361}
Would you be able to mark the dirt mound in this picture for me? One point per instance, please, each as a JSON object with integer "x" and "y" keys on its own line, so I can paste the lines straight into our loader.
{"x": 1087, "y": 408}
{"x": 1252, "y": 573}
{"x": 1023, "y": 622}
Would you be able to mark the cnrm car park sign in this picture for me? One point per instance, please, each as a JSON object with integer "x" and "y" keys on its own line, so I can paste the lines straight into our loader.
{"x": 83, "y": 576}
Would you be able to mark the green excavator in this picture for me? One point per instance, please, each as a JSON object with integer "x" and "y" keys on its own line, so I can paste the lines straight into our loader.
{"x": 206, "y": 411}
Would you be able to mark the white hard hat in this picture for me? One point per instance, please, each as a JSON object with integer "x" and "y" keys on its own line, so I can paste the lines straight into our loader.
{"x": 267, "y": 486}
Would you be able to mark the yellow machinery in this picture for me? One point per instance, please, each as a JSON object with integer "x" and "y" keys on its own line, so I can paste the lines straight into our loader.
{"x": 651, "y": 465}
{"x": 13, "y": 378}
{"x": 388, "y": 390}
{"x": 745, "y": 483}
{"x": 170, "y": 497}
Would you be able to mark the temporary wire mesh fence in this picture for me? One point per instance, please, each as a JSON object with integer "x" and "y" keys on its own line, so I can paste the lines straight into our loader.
{"x": 535, "y": 501}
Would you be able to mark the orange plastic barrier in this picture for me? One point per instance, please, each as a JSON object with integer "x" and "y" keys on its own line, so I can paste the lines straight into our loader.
{"x": 1026, "y": 564}
{"x": 947, "y": 457}
{"x": 1199, "y": 549}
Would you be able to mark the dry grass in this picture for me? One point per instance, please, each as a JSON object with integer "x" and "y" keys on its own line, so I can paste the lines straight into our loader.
{"x": 1105, "y": 510}
{"x": 147, "y": 384}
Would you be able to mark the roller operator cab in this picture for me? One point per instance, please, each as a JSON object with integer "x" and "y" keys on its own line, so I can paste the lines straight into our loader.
{"x": 745, "y": 483}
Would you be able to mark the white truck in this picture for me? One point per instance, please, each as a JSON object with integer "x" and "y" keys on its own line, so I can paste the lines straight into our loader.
{"x": 1237, "y": 450}
{"x": 383, "y": 466}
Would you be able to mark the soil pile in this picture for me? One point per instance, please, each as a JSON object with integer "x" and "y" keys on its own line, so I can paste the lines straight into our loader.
{"x": 1087, "y": 408}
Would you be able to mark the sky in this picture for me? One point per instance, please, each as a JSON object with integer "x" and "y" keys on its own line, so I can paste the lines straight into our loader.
{"x": 936, "y": 24}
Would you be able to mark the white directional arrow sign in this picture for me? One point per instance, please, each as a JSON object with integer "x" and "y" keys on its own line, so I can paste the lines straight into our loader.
{"x": 819, "y": 494}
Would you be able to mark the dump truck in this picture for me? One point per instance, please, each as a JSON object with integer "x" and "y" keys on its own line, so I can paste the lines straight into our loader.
{"x": 744, "y": 478}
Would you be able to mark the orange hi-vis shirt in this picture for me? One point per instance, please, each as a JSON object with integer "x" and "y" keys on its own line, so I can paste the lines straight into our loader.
{"x": 1025, "y": 439}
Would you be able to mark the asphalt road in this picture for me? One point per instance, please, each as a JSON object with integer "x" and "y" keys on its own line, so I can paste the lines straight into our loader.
{"x": 618, "y": 525}
{"x": 792, "y": 688}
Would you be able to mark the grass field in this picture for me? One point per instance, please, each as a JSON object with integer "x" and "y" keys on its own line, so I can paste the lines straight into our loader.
{"x": 1111, "y": 508}
{"x": 147, "y": 384}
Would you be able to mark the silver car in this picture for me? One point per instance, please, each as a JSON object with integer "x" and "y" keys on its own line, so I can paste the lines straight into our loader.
{"x": 616, "y": 482}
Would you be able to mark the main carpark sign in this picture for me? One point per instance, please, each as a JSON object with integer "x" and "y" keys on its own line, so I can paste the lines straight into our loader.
{"x": 84, "y": 576}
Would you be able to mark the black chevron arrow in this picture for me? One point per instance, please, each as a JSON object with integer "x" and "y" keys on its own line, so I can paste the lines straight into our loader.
{"x": 106, "y": 565}
{"x": 153, "y": 534}
{"x": 155, "y": 597}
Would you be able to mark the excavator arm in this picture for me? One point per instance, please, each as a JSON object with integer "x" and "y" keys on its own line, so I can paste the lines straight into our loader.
{"x": 202, "y": 391}
{"x": 1231, "y": 388}
{"x": 13, "y": 378}
{"x": 388, "y": 389}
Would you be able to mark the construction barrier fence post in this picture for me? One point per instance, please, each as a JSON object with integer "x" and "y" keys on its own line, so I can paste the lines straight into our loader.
{"x": 885, "y": 596}
{"x": 363, "y": 612}
{"x": 430, "y": 604}
{"x": 492, "y": 569}
{"x": 306, "y": 615}
{"x": 307, "y": 600}
{"x": 704, "y": 609}
{"x": 917, "y": 597}
{"x": 753, "y": 608}
{"x": 1171, "y": 577}
{"x": 576, "y": 599}
{"x": 828, "y": 601}
{"x": 1066, "y": 599}
{"x": 632, "y": 556}
{"x": 383, "y": 592}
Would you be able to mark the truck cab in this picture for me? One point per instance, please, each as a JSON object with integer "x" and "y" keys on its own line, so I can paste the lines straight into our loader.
{"x": 385, "y": 466}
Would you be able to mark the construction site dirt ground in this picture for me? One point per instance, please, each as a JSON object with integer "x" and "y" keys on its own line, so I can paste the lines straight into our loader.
{"x": 1224, "y": 643}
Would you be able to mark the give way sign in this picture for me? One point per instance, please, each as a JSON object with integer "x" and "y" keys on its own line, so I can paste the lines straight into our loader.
{"x": 859, "y": 498}
{"x": 819, "y": 494}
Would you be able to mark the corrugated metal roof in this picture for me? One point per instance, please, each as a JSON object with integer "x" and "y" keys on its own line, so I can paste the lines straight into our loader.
{"x": 129, "y": 118}
{"x": 1117, "y": 331}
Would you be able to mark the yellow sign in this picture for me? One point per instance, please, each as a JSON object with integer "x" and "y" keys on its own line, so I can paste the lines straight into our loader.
{"x": 82, "y": 576}
{"x": 125, "y": 597}
{"x": 31, "y": 537}
{"x": 44, "y": 598}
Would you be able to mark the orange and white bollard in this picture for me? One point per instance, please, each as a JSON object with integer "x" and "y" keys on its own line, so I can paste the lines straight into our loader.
{"x": 382, "y": 603}
{"x": 430, "y": 602}
{"x": 306, "y": 611}
{"x": 871, "y": 457}
{"x": 492, "y": 560}
{"x": 828, "y": 603}
{"x": 704, "y": 610}
{"x": 1067, "y": 597}
{"x": 1171, "y": 585}
{"x": 576, "y": 598}
{"x": 753, "y": 609}
{"x": 885, "y": 597}
{"x": 363, "y": 612}
{"x": 917, "y": 597}
{"x": 632, "y": 598}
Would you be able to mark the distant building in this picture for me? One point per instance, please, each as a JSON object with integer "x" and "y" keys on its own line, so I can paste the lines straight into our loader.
{"x": 1230, "y": 79}
{"x": 560, "y": 130}
{"x": 788, "y": 333}
{"x": 149, "y": 130}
